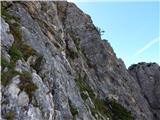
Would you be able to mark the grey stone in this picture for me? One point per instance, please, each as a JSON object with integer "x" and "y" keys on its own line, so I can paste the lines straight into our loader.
{"x": 148, "y": 78}
{"x": 6, "y": 37}
{"x": 52, "y": 29}
{"x": 23, "y": 99}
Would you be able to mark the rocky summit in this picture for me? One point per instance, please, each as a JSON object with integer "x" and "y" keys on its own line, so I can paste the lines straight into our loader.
{"x": 55, "y": 66}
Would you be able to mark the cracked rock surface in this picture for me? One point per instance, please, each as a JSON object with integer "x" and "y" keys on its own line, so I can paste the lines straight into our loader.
{"x": 55, "y": 66}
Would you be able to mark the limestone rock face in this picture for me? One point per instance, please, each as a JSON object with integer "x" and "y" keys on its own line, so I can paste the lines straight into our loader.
{"x": 7, "y": 38}
{"x": 147, "y": 76}
{"x": 55, "y": 66}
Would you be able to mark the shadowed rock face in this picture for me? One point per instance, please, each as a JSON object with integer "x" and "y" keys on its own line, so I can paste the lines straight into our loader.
{"x": 56, "y": 67}
{"x": 148, "y": 76}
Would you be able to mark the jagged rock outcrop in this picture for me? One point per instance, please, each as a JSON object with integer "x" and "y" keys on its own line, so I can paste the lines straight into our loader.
{"x": 148, "y": 78}
{"x": 56, "y": 67}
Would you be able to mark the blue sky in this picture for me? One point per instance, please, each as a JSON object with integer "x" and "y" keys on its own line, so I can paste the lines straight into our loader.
{"x": 130, "y": 27}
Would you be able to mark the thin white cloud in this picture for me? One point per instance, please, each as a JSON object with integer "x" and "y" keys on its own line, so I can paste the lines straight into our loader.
{"x": 148, "y": 45}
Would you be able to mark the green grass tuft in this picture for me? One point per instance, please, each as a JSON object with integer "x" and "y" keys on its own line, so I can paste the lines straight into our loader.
{"x": 10, "y": 115}
{"x": 118, "y": 111}
{"x": 27, "y": 85}
{"x": 15, "y": 53}
{"x": 19, "y": 49}
{"x": 83, "y": 86}
{"x": 108, "y": 108}
{"x": 4, "y": 64}
{"x": 73, "y": 109}
{"x": 8, "y": 75}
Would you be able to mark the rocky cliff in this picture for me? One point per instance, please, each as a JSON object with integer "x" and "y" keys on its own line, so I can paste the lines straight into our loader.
{"x": 55, "y": 66}
{"x": 147, "y": 76}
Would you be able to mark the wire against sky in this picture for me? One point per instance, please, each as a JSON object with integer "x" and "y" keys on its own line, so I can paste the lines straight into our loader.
{"x": 148, "y": 45}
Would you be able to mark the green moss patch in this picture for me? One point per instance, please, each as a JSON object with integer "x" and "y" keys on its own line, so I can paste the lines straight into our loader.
{"x": 100, "y": 107}
{"x": 111, "y": 109}
{"x": 98, "y": 103}
{"x": 10, "y": 115}
{"x": 5, "y": 14}
{"x": 9, "y": 74}
{"x": 27, "y": 85}
{"x": 118, "y": 112}
{"x": 83, "y": 86}
{"x": 19, "y": 48}
{"x": 108, "y": 108}
{"x": 73, "y": 109}
{"x": 15, "y": 53}
{"x": 4, "y": 64}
